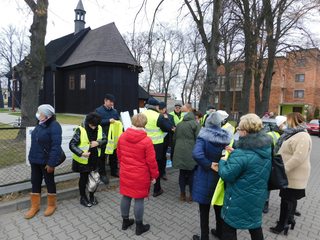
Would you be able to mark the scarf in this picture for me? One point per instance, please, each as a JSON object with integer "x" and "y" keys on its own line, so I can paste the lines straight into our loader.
{"x": 288, "y": 133}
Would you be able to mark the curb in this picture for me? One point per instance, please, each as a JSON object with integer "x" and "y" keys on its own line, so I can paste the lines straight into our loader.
{"x": 65, "y": 194}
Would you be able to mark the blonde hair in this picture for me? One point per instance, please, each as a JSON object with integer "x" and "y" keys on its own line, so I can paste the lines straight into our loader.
{"x": 295, "y": 119}
{"x": 250, "y": 123}
{"x": 139, "y": 120}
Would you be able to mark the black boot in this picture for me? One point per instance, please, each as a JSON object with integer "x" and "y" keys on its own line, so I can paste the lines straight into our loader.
{"x": 93, "y": 200}
{"x": 282, "y": 224}
{"x": 85, "y": 202}
{"x": 127, "y": 223}
{"x": 141, "y": 228}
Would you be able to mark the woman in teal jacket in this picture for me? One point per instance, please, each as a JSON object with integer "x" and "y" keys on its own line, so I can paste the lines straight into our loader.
{"x": 246, "y": 174}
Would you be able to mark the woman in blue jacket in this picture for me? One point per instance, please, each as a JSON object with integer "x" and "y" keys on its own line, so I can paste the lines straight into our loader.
{"x": 246, "y": 174}
{"x": 44, "y": 155}
{"x": 210, "y": 143}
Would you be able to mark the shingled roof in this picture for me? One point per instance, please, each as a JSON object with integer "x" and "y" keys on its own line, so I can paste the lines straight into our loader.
{"x": 58, "y": 50}
{"x": 104, "y": 44}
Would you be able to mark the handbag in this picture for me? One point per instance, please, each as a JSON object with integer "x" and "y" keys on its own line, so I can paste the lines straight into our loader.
{"x": 61, "y": 159}
{"x": 93, "y": 181}
{"x": 278, "y": 177}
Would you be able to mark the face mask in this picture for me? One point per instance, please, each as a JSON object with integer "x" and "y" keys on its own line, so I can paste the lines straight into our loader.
{"x": 38, "y": 116}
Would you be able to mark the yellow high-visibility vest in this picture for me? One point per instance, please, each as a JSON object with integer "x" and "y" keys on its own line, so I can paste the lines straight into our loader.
{"x": 218, "y": 195}
{"x": 203, "y": 120}
{"x": 275, "y": 136}
{"x": 84, "y": 144}
{"x": 115, "y": 131}
{"x": 176, "y": 119}
{"x": 153, "y": 131}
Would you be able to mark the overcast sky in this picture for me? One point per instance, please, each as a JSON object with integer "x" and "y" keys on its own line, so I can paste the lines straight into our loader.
{"x": 99, "y": 12}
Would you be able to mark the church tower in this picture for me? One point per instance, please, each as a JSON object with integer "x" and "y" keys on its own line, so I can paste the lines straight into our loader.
{"x": 79, "y": 21}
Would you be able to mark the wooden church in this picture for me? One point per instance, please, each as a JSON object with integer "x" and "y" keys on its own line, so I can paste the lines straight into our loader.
{"x": 85, "y": 65}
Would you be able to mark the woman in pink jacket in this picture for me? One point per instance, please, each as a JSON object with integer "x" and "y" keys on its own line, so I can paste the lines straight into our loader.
{"x": 138, "y": 169}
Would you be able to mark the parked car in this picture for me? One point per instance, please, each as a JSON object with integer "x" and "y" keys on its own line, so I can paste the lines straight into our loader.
{"x": 269, "y": 124}
{"x": 313, "y": 126}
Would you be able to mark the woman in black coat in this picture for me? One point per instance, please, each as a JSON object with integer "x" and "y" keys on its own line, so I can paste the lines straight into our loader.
{"x": 86, "y": 146}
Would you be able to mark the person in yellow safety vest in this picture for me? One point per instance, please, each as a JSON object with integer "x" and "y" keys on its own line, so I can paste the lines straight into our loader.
{"x": 177, "y": 114}
{"x": 108, "y": 116}
{"x": 275, "y": 135}
{"x": 86, "y": 145}
{"x": 217, "y": 208}
{"x": 115, "y": 131}
{"x": 155, "y": 130}
{"x": 210, "y": 109}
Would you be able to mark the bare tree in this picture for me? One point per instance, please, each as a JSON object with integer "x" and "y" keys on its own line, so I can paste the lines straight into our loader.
{"x": 13, "y": 47}
{"x": 32, "y": 68}
{"x": 211, "y": 41}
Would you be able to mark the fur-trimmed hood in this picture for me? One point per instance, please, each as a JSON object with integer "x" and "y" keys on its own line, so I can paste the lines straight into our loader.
{"x": 256, "y": 142}
{"x": 215, "y": 134}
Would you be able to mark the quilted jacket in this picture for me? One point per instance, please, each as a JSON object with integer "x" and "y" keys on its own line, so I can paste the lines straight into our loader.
{"x": 46, "y": 143}
{"x": 184, "y": 139}
{"x": 137, "y": 161}
{"x": 208, "y": 148}
{"x": 246, "y": 174}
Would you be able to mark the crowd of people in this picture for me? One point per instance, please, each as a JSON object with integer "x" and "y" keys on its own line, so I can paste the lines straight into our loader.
{"x": 214, "y": 158}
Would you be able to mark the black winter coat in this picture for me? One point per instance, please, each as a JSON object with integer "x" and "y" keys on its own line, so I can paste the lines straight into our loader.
{"x": 93, "y": 159}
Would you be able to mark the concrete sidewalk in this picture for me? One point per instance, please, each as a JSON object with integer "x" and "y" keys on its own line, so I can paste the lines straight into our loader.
{"x": 6, "y": 118}
{"x": 169, "y": 218}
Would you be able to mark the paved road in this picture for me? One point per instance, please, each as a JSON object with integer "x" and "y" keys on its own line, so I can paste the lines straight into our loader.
{"x": 169, "y": 218}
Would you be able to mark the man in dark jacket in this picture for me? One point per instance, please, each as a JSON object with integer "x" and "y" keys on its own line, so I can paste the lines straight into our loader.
{"x": 168, "y": 124}
{"x": 108, "y": 116}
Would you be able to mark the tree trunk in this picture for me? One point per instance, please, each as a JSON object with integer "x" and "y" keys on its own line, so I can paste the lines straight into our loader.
{"x": 32, "y": 71}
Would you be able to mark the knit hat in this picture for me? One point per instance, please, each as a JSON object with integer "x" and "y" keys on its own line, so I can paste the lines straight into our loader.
{"x": 214, "y": 119}
{"x": 109, "y": 97}
{"x": 178, "y": 105}
{"x": 153, "y": 102}
{"x": 162, "y": 105}
{"x": 223, "y": 113}
{"x": 280, "y": 120}
{"x": 46, "y": 109}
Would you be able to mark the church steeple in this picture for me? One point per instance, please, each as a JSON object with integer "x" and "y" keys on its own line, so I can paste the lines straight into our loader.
{"x": 79, "y": 21}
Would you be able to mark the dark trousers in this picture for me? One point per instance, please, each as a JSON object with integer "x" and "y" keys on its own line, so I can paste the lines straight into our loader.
{"x": 38, "y": 172}
{"x": 185, "y": 178}
{"x": 219, "y": 221}
{"x": 287, "y": 210}
{"x": 113, "y": 162}
{"x": 230, "y": 233}
{"x": 159, "y": 151}
{"x": 83, "y": 183}
{"x": 164, "y": 157}
{"x": 204, "y": 220}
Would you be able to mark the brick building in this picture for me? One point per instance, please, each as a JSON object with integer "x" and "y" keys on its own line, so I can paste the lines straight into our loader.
{"x": 295, "y": 85}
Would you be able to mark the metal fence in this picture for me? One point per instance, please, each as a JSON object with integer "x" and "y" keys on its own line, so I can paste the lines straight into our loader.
{"x": 13, "y": 165}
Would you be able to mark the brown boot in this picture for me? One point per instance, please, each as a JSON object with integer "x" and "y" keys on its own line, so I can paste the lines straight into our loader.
{"x": 35, "y": 205}
{"x": 183, "y": 197}
{"x": 189, "y": 199}
{"x": 52, "y": 204}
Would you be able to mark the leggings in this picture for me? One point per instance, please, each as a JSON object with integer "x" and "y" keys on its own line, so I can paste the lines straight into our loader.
{"x": 230, "y": 233}
{"x": 138, "y": 207}
{"x": 38, "y": 172}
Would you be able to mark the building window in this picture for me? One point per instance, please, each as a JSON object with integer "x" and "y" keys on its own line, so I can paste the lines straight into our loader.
{"x": 299, "y": 77}
{"x": 301, "y": 62}
{"x": 221, "y": 81}
{"x": 239, "y": 81}
{"x": 82, "y": 81}
{"x": 71, "y": 82}
{"x": 298, "y": 93}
